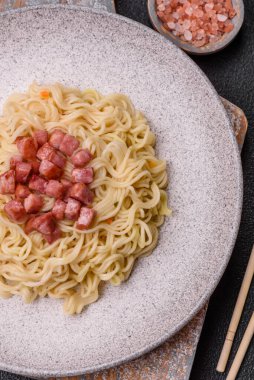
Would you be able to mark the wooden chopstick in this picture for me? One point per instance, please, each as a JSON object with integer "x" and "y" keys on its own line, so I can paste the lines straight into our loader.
{"x": 248, "y": 335}
{"x": 236, "y": 314}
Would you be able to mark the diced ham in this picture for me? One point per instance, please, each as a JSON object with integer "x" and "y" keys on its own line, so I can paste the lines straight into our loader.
{"x": 55, "y": 235}
{"x": 15, "y": 211}
{"x": 14, "y": 160}
{"x": 38, "y": 184}
{"x": 27, "y": 147}
{"x": 67, "y": 185}
{"x": 44, "y": 151}
{"x": 33, "y": 203}
{"x": 55, "y": 189}
{"x": 58, "y": 209}
{"x": 21, "y": 192}
{"x": 69, "y": 145}
{"x": 49, "y": 170}
{"x": 41, "y": 136}
{"x": 35, "y": 166}
{"x": 45, "y": 223}
{"x": 84, "y": 175}
{"x": 58, "y": 159}
{"x": 47, "y": 152}
{"x": 29, "y": 227}
{"x": 82, "y": 193}
{"x": 56, "y": 138}
{"x": 7, "y": 182}
{"x": 23, "y": 169}
{"x": 72, "y": 209}
{"x": 86, "y": 217}
{"x": 81, "y": 157}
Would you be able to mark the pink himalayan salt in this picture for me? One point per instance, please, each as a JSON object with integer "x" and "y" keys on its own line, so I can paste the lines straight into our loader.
{"x": 161, "y": 8}
{"x": 209, "y": 6}
{"x": 189, "y": 11}
{"x": 187, "y": 35}
{"x": 171, "y": 25}
{"x": 221, "y": 18}
{"x": 186, "y": 24}
{"x": 206, "y": 20}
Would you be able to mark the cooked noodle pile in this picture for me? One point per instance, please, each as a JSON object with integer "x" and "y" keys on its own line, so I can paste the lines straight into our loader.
{"x": 129, "y": 198}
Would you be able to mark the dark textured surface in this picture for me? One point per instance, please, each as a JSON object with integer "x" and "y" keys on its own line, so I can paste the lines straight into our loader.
{"x": 232, "y": 73}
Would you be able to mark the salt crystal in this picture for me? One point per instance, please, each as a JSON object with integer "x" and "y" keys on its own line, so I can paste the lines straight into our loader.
{"x": 200, "y": 43}
{"x": 179, "y": 28}
{"x": 186, "y": 24}
{"x": 189, "y": 11}
{"x": 229, "y": 28}
{"x": 187, "y": 35}
{"x": 221, "y": 17}
{"x": 171, "y": 25}
{"x": 161, "y": 7}
{"x": 198, "y": 13}
{"x": 209, "y": 6}
{"x": 175, "y": 15}
{"x": 200, "y": 34}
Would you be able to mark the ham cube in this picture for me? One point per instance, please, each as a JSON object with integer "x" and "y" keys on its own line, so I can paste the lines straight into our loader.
{"x": 81, "y": 157}
{"x": 21, "y": 192}
{"x": 29, "y": 227}
{"x": 84, "y": 175}
{"x": 72, "y": 209}
{"x": 82, "y": 193}
{"x": 66, "y": 184}
{"x": 49, "y": 170}
{"x": 7, "y": 182}
{"x": 55, "y": 235}
{"x": 45, "y": 223}
{"x": 56, "y": 139}
{"x": 47, "y": 152}
{"x": 69, "y": 145}
{"x": 58, "y": 209}
{"x": 57, "y": 159}
{"x": 55, "y": 189}
{"x": 38, "y": 184}
{"x": 41, "y": 136}
{"x": 35, "y": 166}
{"x": 86, "y": 218}
{"x": 14, "y": 160}
{"x": 23, "y": 169}
{"x": 27, "y": 147}
{"x": 33, "y": 203}
{"x": 44, "y": 151}
{"x": 15, "y": 211}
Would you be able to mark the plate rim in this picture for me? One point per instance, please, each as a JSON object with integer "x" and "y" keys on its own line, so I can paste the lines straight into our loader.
{"x": 26, "y": 371}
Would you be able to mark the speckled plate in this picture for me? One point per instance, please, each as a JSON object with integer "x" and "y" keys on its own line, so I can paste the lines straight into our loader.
{"x": 88, "y": 49}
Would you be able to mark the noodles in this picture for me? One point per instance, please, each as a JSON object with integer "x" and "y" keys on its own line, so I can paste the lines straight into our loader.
{"x": 129, "y": 198}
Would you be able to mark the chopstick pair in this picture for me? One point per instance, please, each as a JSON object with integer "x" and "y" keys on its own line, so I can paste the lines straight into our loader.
{"x": 234, "y": 324}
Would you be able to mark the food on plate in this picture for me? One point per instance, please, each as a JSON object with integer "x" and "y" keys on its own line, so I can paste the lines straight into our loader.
{"x": 82, "y": 194}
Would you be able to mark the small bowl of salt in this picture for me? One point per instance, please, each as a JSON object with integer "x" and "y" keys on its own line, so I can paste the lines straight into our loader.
{"x": 197, "y": 26}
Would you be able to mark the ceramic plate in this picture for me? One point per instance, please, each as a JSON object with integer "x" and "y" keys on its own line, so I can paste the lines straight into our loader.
{"x": 82, "y": 48}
